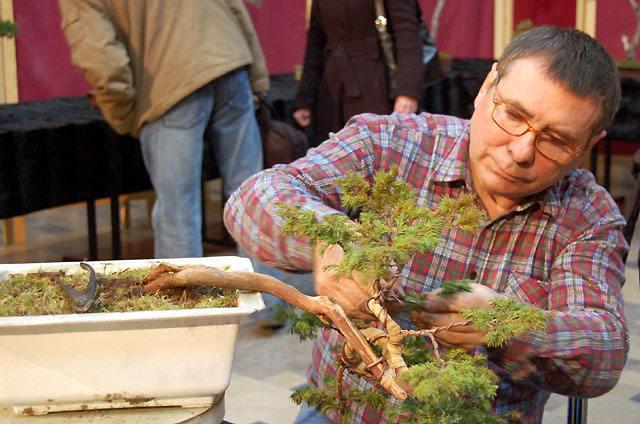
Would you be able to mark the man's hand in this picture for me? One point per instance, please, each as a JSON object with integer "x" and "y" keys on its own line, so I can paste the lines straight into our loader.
{"x": 302, "y": 116}
{"x": 405, "y": 104}
{"x": 351, "y": 294}
{"x": 440, "y": 311}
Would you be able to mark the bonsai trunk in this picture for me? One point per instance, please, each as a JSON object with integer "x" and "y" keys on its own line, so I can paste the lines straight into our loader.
{"x": 168, "y": 276}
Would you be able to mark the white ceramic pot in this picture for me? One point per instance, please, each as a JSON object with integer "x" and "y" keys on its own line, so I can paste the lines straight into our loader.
{"x": 118, "y": 360}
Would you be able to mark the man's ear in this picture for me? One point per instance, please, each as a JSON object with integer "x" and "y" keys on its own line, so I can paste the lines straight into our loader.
{"x": 487, "y": 84}
{"x": 592, "y": 142}
{"x": 595, "y": 138}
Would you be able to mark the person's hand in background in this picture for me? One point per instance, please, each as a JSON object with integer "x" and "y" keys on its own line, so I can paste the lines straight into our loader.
{"x": 405, "y": 104}
{"x": 302, "y": 116}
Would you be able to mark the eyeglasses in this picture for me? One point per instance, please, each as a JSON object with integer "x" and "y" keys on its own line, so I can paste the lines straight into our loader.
{"x": 513, "y": 123}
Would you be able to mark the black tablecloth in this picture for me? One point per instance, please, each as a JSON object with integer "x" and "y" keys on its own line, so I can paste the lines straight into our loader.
{"x": 62, "y": 151}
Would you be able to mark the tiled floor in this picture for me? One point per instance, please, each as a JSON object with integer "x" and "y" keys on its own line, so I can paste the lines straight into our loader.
{"x": 269, "y": 364}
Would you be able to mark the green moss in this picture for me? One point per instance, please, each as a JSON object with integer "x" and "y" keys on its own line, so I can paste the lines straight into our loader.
{"x": 32, "y": 294}
{"x": 122, "y": 291}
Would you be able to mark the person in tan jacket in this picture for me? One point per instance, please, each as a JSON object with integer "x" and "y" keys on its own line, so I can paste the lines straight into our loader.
{"x": 176, "y": 74}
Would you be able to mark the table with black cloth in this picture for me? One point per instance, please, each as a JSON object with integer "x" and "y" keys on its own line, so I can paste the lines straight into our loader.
{"x": 62, "y": 151}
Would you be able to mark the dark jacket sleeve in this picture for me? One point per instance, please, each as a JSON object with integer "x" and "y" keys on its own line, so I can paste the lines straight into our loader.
{"x": 307, "y": 94}
{"x": 408, "y": 51}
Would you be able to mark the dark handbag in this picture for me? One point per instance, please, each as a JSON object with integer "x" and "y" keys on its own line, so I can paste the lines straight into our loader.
{"x": 281, "y": 142}
{"x": 430, "y": 60}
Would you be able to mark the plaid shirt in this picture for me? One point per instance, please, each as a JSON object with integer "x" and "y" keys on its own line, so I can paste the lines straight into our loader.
{"x": 561, "y": 251}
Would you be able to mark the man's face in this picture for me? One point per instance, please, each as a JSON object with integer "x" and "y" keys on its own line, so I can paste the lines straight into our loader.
{"x": 506, "y": 169}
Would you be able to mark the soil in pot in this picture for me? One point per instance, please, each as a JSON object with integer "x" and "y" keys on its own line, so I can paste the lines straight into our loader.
{"x": 121, "y": 291}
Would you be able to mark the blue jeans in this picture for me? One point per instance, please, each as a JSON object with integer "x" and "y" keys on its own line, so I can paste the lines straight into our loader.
{"x": 220, "y": 113}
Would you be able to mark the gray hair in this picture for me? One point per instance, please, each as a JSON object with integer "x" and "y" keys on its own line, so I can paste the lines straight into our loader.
{"x": 575, "y": 60}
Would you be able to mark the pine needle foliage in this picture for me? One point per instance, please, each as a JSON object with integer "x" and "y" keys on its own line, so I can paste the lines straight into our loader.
{"x": 390, "y": 229}
{"x": 506, "y": 320}
{"x": 303, "y": 324}
{"x": 455, "y": 286}
{"x": 459, "y": 390}
{"x": 416, "y": 351}
{"x": 326, "y": 399}
{"x": 444, "y": 387}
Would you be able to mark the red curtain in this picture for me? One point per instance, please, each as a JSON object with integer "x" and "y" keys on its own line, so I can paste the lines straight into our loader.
{"x": 465, "y": 29}
{"x": 43, "y": 57}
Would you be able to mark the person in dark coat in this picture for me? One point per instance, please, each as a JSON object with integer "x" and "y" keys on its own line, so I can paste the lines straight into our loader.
{"x": 344, "y": 68}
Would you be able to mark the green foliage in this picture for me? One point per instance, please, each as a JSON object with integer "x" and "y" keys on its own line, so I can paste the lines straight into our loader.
{"x": 333, "y": 229}
{"x": 302, "y": 323}
{"x": 416, "y": 300}
{"x": 321, "y": 399}
{"x": 326, "y": 399}
{"x": 455, "y": 286}
{"x": 36, "y": 294}
{"x": 507, "y": 319}
{"x": 142, "y": 303}
{"x": 415, "y": 351}
{"x": 8, "y": 28}
{"x": 461, "y": 212}
{"x": 28, "y": 294}
{"x": 459, "y": 390}
{"x": 391, "y": 228}
{"x": 523, "y": 26}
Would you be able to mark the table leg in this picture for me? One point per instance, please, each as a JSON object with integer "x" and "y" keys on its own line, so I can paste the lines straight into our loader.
{"x": 116, "y": 243}
{"x": 15, "y": 230}
{"x": 92, "y": 230}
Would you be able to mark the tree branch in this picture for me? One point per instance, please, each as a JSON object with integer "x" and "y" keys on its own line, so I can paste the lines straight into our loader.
{"x": 169, "y": 276}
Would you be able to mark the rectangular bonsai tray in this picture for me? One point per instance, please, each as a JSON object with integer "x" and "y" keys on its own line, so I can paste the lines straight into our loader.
{"x": 121, "y": 359}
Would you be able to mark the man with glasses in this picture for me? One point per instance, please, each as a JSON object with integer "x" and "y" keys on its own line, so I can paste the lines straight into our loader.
{"x": 552, "y": 237}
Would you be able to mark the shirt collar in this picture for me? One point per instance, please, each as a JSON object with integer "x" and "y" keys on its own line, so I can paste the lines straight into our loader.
{"x": 450, "y": 156}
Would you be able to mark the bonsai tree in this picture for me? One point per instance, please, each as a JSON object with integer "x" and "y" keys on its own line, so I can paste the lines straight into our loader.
{"x": 385, "y": 230}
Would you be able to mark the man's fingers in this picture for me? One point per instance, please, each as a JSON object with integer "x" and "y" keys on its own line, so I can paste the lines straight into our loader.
{"x": 463, "y": 340}
{"x": 479, "y": 297}
{"x": 436, "y": 303}
{"x": 440, "y": 320}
